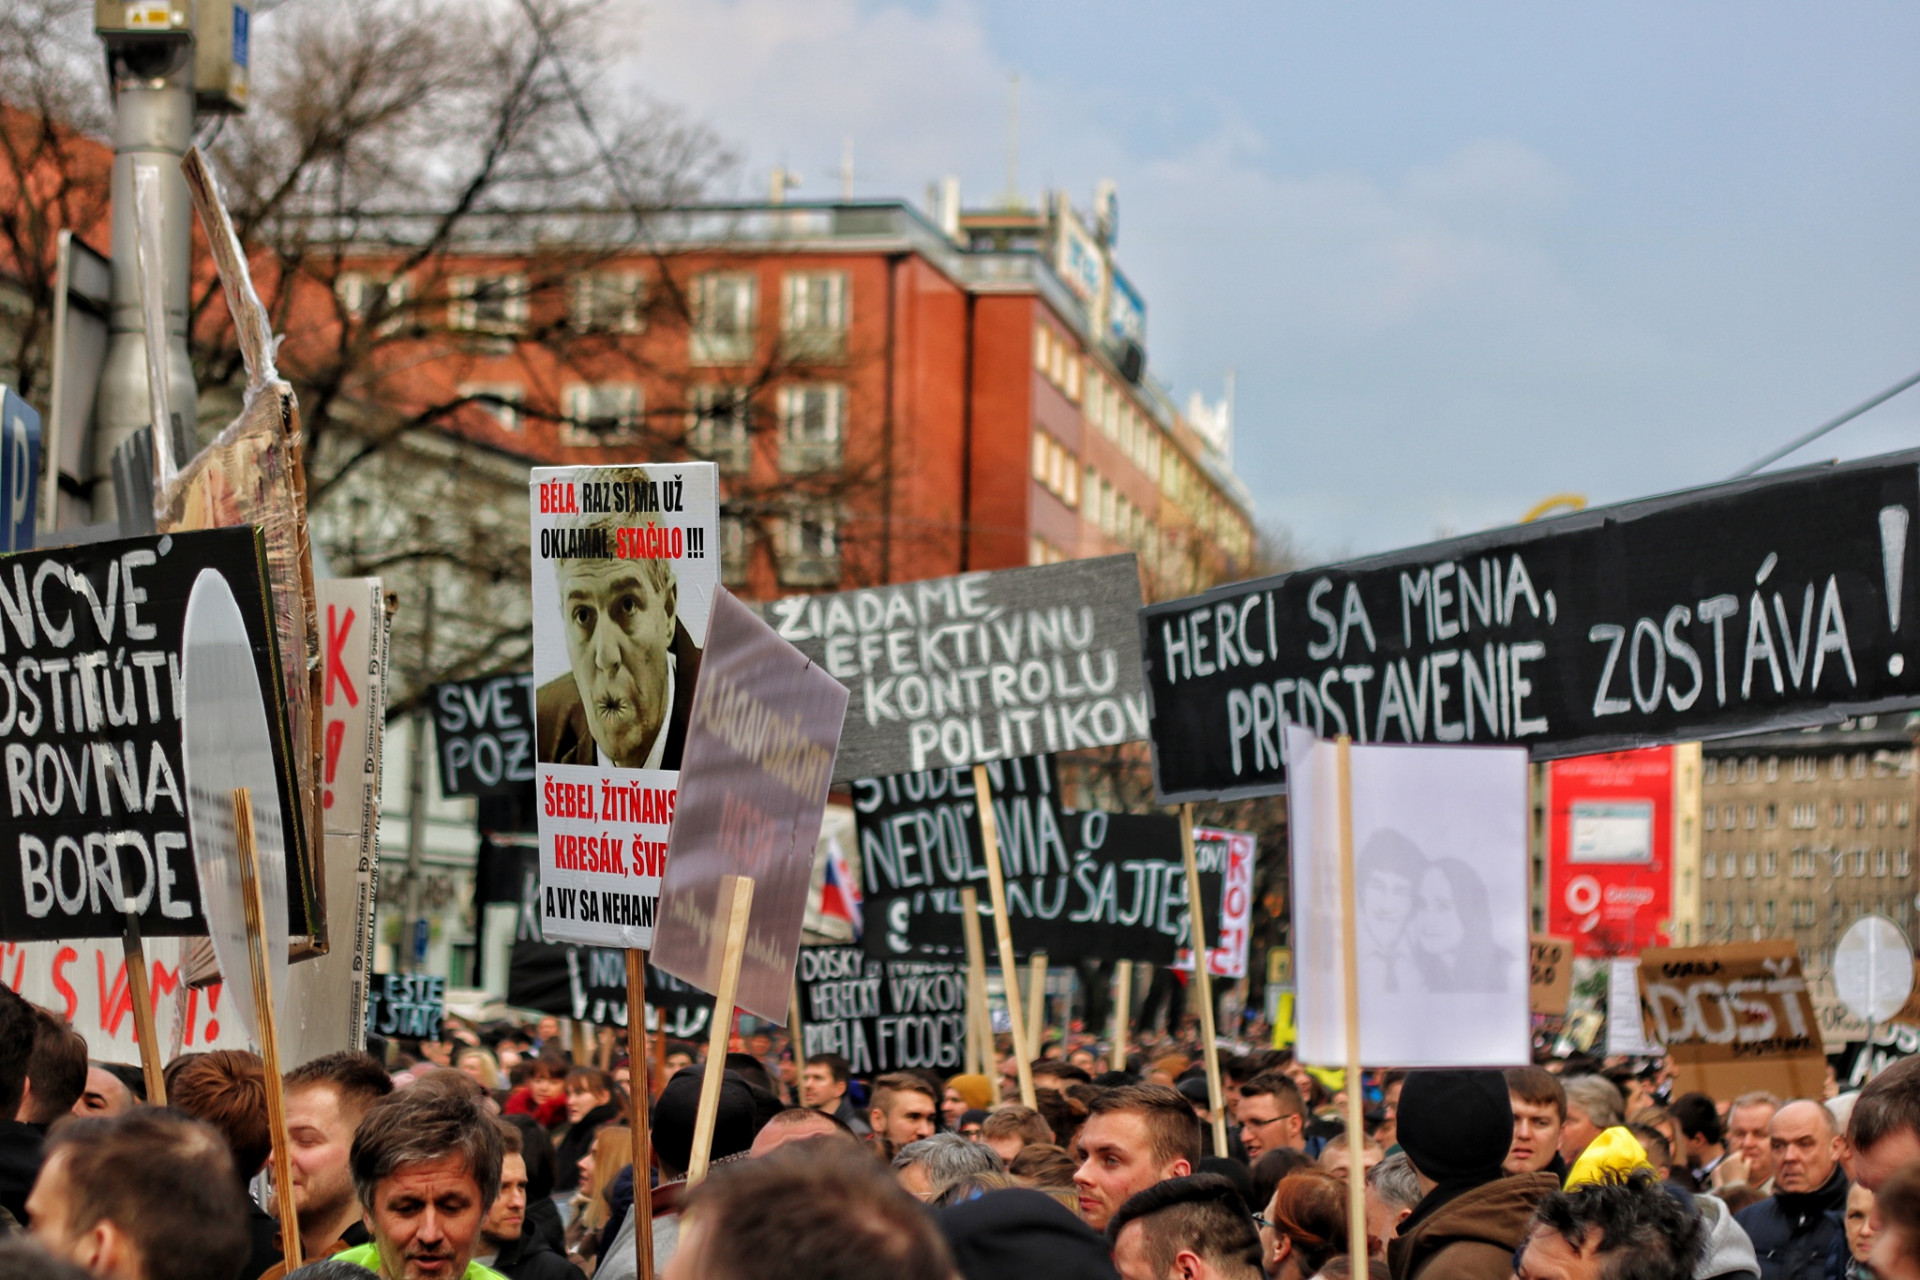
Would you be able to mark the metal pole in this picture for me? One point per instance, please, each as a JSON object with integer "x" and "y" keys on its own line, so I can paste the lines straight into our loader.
{"x": 417, "y": 768}
{"x": 152, "y": 124}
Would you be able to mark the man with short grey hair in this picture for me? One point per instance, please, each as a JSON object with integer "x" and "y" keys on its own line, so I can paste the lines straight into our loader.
{"x": 1393, "y": 1192}
{"x": 1593, "y": 1104}
{"x": 929, "y": 1166}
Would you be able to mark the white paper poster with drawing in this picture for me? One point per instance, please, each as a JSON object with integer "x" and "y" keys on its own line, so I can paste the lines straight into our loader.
{"x": 625, "y": 563}
{"x": 1440, "y": 899}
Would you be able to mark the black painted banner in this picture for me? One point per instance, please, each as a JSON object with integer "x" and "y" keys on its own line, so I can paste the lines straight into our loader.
{"x": 1080, "y": 884}
{"x": 94, "y": 822}
{"x": 883, "y": 1015}
{"x": 1774, "y": 602}
{"x": 484, "y": 729}
{"x": 406, "y": 1006}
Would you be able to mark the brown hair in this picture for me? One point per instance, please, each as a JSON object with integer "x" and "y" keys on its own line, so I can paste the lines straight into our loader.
{"x": 1043, "y": 1165}
{"x": 228, "y": 1090}
{"x": 1889, "y": 1102}
{"x": 1537, "y": 1088}
{"x": 357, "y": 1079}
{"x": 594, "y": 1080}
{"x": 900, "y": 1082}
{"x": 57, "y": 1067}
{"x": 1310, "y": 1209}
{"x": 1063, "y": 1115}
{"x": 1284, "y": 1092}
{"x": 1172, "y": 1127}
{"x": 1014, "y": 1120}
{"x": 428, "y": 1121}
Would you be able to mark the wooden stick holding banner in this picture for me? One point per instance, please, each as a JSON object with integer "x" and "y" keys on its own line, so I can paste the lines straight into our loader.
{"x": 736, "y": 894}
{"x": 1037, "y": 1001}
{"x": 979, "y": 1020}
{"x": 1350, "y": 989}
{"x": 150, "y": 1065}
{"x": 1122, "y": 1015}
{"x": 1203, "y": 982}
{"x": 255, "y": 908}
{"x": 640, "y": 1086}
{"x": 796, "y": 1033}
{"x": 1003, "y": 931}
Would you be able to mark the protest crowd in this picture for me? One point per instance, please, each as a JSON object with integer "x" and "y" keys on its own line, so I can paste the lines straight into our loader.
{"x": 495, "y": 1153}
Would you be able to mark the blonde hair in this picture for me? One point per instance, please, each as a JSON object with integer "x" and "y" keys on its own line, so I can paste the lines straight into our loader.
{"x": 612, "y": 1152}
{"x": 489, "y": 1066}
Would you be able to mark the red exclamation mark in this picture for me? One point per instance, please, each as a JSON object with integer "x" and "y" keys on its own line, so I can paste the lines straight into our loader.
{"x": 213, "y": 1003}
{"x": 336, "y": 737}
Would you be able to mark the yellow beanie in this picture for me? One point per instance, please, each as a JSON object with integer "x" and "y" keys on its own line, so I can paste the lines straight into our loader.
{"x": 1609, "y": 1157}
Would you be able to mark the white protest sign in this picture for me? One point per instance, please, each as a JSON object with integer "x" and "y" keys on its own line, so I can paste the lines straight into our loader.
{"x": 1626, "y": 1034}
{"x": 1873, "y": 968}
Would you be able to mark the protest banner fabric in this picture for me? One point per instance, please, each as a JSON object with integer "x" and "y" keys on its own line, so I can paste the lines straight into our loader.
{"x": 1440, "y": 869}
{"x": 96, "y": 815}
{"x": 883, "y": 1015}
{"x": 985, "y": 666}
{"x": 1550, "y": 985}
{"x": 1734, "y": 1018}
{"x": 85, "y": 982}
{"x": 1770, "y": 602}
{"x": 626, "y": 561}
{"x": 406, "y": 1006}
{"x": 484, "y": 730}
{"x": 1885, "y": 1044}
{"x": 758, "y": 765}
{"x": 1225, "y": 860}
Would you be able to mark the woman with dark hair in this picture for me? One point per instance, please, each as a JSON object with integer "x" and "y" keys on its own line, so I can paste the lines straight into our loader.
{"x": 1452, "y": 928}
{"x": 594, "y": 1098}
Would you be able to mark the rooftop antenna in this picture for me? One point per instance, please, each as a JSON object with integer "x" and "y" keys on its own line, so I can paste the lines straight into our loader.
{"x": 1012, "y": 198}
{"x": 846, "y": 169}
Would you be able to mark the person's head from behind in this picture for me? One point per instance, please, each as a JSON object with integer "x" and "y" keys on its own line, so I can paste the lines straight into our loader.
{"x": 1883, "y": 1133}
{"x": 1190, "y": 1228}
{"x": 800, "y": 1124}
{"x": 1806, "y": 1146}
{"x": 1750, "y": 1136}
{"x": 326, "y": 1099}
{"x": 928, "y": 1167}
{"x": 1306, "y": 1225}
{"x": 1012, "y": 1128}
{"x": 1617, "y": 1229}
{"x": 110, "y": 1089}
{"x": 228, "y": 1090}
{"x": 1271, "y": 1114}
{"x": 1133, "y": 1138}
{"x": 1593, "y": 1104}
{"x": 19, "y": 1026}
{"x": 147, "y": 1195}
{"x": 56, "y": 1070}
{"x": 1539, "y": 1111}
{"x": 426, "y": 1168}
{"x": 824, "y": 1213}
{"x": 905, "y": 1108}
{"x": 676, "y": 1112}
{"x": 823, "y": 1081}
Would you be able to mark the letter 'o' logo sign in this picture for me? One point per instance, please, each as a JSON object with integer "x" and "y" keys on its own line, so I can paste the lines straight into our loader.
{"x": 1583, "y": 895}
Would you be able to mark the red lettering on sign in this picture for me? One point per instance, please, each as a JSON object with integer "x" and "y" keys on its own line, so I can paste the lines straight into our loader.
{"x": 336, "y": 666}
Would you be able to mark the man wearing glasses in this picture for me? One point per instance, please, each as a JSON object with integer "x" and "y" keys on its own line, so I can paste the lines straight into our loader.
{"x": 1271, "y": 1115}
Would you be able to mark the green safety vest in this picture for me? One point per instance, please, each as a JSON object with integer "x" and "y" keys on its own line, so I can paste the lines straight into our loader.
{"x": 368, "y": 1256}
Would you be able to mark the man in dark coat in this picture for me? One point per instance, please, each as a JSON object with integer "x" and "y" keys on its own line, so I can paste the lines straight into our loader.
{"x": 1799, "y": 1232}
{"x": 19, "y": 1143}
{"x": 517, "y": 1253}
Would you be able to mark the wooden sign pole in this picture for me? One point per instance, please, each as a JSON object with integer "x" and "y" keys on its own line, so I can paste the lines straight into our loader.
{"x": 258, "y": 961}
{"x": 796, "y": 1034}
{"x": 640, "y": 1091}
{"x": 1203, "y": 982}
{"x": 979, "y": 1019}
{"x": 150, "y": 1065}
{"x": 1122, "y": 1017}
{"x": 736, "y": 898}
{"x": 1350, "y": 987}
{"x": 1037, "y": 1001}
{"x": 1002, "y": 931}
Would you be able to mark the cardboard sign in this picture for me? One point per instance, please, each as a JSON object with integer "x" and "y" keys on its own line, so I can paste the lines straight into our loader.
{"x": 95, "y": 817}
{"x": 1551, "y": 985}
{"x": 1734, "y": 1018}
{"x": 1771, "y": 602}
{"x": 759, "y": 763}
{"x": 406, "y": 1006}
{"x": 883, "y": 1015}
{"x": 484, "y": 729}
{"x": 626, "y": 561}
{"x": 1225, "y": 861}
{"x": 985, "y": 666}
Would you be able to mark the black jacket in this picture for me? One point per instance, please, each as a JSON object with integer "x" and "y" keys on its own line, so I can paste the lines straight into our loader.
{"x": 579, "y": 1141}
{"x": 529, "y": 1258}
{"x": 19, "y": 1165}
{"x": 543, "y": 1220}
{"x": 1800, "y": 1235}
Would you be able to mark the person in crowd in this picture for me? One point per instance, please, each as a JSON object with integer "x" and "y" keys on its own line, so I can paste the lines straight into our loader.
{"x": 426, "y": 1167}
{"x": 110, "y": 1089}
{"x": 544, "y": 1095}
{"x": 965, "y": 1093}
{"x": 822, "y": 1214}
{"x": 1593, "y": 1105}
{"x": 1192, "y": 1228}
{"x": 227, "y": 1089}
{"x": 1612, "y": 1228}
{"x": 1304, "y": 1226}
{"x": 1749, "y": 1158}
{"x": 1800, "y": 1228}
{"x": 1658, "y": 1149}
{"x": 823, "y": 1086}
{"x": 798, "y": 1124}
{"x": 1859, "y": 1225}
{"x": 543, "y": 1215}
{"x": 903, "y": 1110}
{"x": 1393, "y": 1193}
{"x": 1539, "y": 1111}
{"x": 971, "y": 1125}
{"x": 1457, "y": 1128}
{"x": 593, "y": 1099}
{"x": 928, "y": 1167}
{"x": 1883, "y": 1133}
{"x": 1336, "y": 1155}
{"x": 1047, "y": 1168}
{"x": 506, "y": 1244}
{"x": 1020, "y": 1232}
{"x": 479, "y": 1064}
{"x": 326, "y": 1100}
{"x": 1270, "y": 1169}
{"x": 56, "y": 1070}
{"x": 1387, "y": 1131}
{"x": 1271, "y": 1114}
{"x": 1702, "y": 1136}
{"x": 1010, "y": 1128}
{"x": 19, "y": 1142}
{"x": 1194, "y": 1089}
{"x": 612, "y": 1151}
{"x": 1134, "y": 1137}
{"x": 147, "y": 1195}
{"x": 1064, "y": 1115}
{"x": 1895, "y": 1252}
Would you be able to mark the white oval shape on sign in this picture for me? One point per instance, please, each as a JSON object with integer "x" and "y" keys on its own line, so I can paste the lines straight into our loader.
{"x": 1873, "y": 968}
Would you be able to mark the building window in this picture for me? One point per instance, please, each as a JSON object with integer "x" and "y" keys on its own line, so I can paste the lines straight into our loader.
{"x": 1859, "y": 864}
{"x": 1773, "y": 816}
{"x": 723, "y": 318}
{"x": 1706, "y": 915}
{"x": 1860, "y": 765}
{"x": 1710, "y": 817}
{"x": 809, "y": 550}
{"x": 1746, "y": 913}
{"x": 487, "y": 304}
{"x": 599, "y": 413}
{"x": 1753, "y": 768}
{"x": 1753, "y": 866}
{"x": 1730, "y": 866}
{"x": 813, "y": 315}
{"x": 1839, "y": 768}
{"x": 734, "y": 549}
{"x": 1040, "y": 551}
{"x": 1880, "y": 814}
{"x": 1902, "y": 814}
{"x": 1056, "y": 468}
{"x": 1902, "y": 863}
{"x": 607, "y": 302}
{"x": 1803, "y": 912}
{"x": 500, "y": 401}
{"x": 1859, "y": 813}
{"x": 361, "y": 294}
{"x": 1839, "y": 814}
{"x": 1768, "y": 918}
{"x": 1728, "y": 815}
{"x": 1773, "y": 768}
{"x": 1879, "y": 862}
{"x": 1708, "y": 865}
{"x": 1805, "y": 768}
{"x": 1711, "y": 771}
{"x": 812, "y": 426}
{"x": 1771, "y": 864}
{"x": 720, "y": 427}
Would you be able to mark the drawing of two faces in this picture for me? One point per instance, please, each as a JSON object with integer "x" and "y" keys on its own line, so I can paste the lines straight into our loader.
{"x": 1424, "y": 923}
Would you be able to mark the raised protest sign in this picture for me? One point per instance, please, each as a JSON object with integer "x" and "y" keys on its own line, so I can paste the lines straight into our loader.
{"x": 1886, "y": 1044}
{"x": 883, "y": 1015}
{"x": 95, "y": 822}
{"x": 985, "y": 666}
{"x": 759, "y": 763}
{"x": 625, "y": 565}
{"x": 1225, "y": 859}
{"x": 1080, "y": 885}
{"x": 406, "y": 1006}
{"x": 85, "y": 982}
{"x": 1734, "y": 1018}
{"x": 1551, "y": 983}
{"x": 484, "y": 729}
{"x": 1769, "y": 602}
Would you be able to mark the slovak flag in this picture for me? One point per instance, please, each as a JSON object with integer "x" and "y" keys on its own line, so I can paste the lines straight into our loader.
{"x": 840, "y": 892}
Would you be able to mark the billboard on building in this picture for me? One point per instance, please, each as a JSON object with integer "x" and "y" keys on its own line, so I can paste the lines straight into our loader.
{"x": 1610, "y": 851}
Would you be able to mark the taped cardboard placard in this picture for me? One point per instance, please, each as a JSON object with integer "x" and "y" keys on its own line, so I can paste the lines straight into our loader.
{"x": 1551, "y": 984}
{"x": 1734, "y": 1018}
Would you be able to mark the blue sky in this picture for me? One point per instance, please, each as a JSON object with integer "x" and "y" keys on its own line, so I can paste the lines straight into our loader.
{"x": 1460, "y": 256}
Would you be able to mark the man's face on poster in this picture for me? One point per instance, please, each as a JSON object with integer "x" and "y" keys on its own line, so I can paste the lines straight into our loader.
{"x": 1386, "y": 905}
{"x": 619, "y": 629}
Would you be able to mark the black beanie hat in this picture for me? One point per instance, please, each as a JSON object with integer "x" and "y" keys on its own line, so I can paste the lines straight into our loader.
{"x": 1456, "y": 1126}
{"x": 735, "y": 1124}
